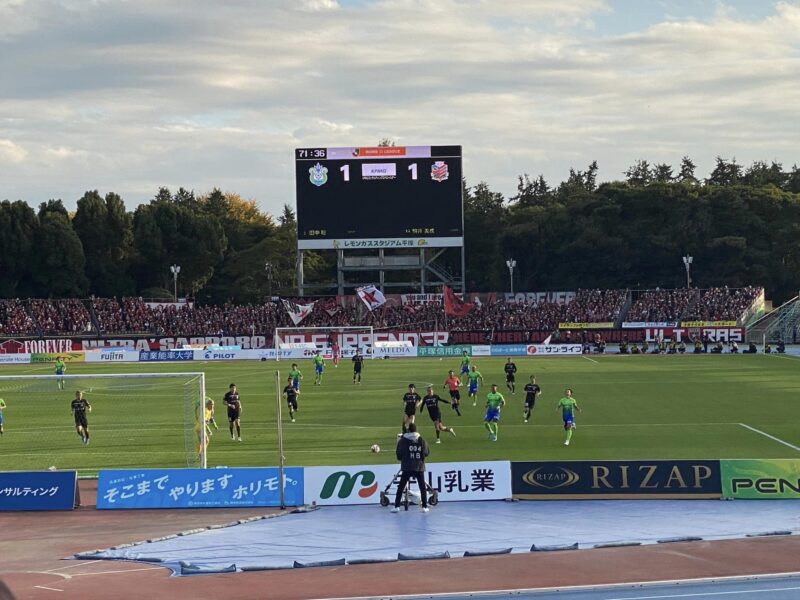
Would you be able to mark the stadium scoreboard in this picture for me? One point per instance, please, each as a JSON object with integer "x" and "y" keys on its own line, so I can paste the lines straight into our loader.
{"x": 381, "y": 197}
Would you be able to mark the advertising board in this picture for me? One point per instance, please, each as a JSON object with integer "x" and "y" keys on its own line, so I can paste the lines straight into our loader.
{"x": 15, "y": 359}
{"x": 761, "y": 479}
{"x": 166, "y": 355}
{"x": 363, "y": 484}
{"x": 554, "y": 350}
{"x": 443, "y": 350}
{"x": 37, "y": 490}
{"x": 197, "y": 488}
{"x": 599, "y": 479}
{"x": 683, "y": 334}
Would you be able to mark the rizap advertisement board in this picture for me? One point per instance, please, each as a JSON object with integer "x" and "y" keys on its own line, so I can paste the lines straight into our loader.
{"x": 15, "y": 359}
{"x": 589, "y": 480}
{"x": 554, "y": 350}
{"x": 761, "y": 479}
{"x": 198, "y": 488}
{"x": 443, "y": 350}
{"x": 363, "y": 484}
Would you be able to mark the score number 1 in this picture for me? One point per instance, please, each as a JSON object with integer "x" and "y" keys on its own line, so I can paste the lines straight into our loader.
{"x": 345, "y": 171}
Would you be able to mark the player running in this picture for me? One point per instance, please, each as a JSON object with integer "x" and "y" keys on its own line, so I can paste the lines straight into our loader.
{"x": 319, "y": 367}
{"x": 567, "y": 404}
{"x": 452, "y": 383}
{"x": 61, "y": 369}
{"x": 79, "y": 407}
{"x": 431, "y": 402}
{"x": 411, "y": 401}
{"x": 511, "y": 369}
{"x": 291, "y": 393}
{"x": 532, "y": 391}
{"x": 296, "y": 376}
{"x": 2, "y": 408}
{"x": 234, "y": 404}
{"x": 474, "y": 376}
{"x": 358, "y": 364}
{"x": 465, "y": 360}
{"x": 494, "y": 402}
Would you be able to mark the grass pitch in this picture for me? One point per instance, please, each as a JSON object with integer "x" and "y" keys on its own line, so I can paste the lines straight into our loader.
{"x": 634, "y": 407}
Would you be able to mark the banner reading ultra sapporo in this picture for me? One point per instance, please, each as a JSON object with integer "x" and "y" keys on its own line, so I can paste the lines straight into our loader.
{"x": 363, "y": 484}
{"x": 761, "y": 479}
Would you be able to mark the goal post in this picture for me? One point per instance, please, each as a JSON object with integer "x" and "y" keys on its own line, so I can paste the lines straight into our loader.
{"x": 296, "y": 340}
{"x": 137, "y": 420}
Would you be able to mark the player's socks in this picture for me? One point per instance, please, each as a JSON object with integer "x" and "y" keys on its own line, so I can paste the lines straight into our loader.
{"x": 458, "y": 411}
{"x": 452, "y": 431}
{"x": 569, "y": 435}
{"x": 437, "y": 434}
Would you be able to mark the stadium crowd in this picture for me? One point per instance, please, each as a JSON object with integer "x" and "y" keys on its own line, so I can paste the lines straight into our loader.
{"x": 136, "y": 316}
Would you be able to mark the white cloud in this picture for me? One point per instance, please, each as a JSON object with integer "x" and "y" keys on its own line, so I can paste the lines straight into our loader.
{"x": 11, "y": 152}
{"x": 207, "y": 94}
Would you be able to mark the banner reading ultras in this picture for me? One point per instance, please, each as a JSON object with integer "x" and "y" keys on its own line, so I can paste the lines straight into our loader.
{"x": 384, "y": 197}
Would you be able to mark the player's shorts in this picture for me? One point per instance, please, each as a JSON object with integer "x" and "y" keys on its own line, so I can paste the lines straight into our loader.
{"x": 59, "y": 372}
{"x": 410, "y": 410}
{"x": 509, "y": 377}
{"x": 233, "y": 414}
{"x": 356, "y": 368}
{"x": 1, "y": 418}
{"x": 81, "y": 420}
{"x": 569, "y": 421}
{"x": 292, "y": 403}
{"x": 473, "y": 388}
{"x": 319, "y": 369}
{"x": 464, "y": 370}
{"x": 530, "y": 402}
{"x": 455, "y": 395}
{"x": 435, "y": 415}
{"x": 296, "y": 384}
{"x": 492, "y": 415}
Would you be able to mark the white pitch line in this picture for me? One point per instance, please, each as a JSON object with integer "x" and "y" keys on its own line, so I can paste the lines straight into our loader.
{"x": 121, "y": 571}
{"x": 589, "y": 359}
{"x": 77, "y": 564}
{"x": 44, "y": 587}
{"x": 772, "y": 437}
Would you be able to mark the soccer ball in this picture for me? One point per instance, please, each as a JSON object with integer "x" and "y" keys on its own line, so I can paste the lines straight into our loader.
{"x": 375, "y": 448}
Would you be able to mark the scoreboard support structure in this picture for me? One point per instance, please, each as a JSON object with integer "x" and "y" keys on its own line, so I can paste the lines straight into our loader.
{"x": 394, "y": 216}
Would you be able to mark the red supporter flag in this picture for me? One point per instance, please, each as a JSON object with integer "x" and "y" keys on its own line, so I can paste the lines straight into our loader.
{"x": 371, "y": 296}
{"x": 453, "y": 305}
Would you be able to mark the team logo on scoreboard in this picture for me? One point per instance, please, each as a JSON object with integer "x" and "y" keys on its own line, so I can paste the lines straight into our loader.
{"x": 318, "y": 175}
{"x": 439, "y": 171}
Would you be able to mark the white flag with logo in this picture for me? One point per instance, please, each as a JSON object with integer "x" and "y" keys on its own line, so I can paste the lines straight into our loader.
{"x": 371, "y": 296}
{"x": 297, "y": 312}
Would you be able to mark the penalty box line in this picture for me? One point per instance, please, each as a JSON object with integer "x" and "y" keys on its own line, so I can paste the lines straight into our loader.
{"x": 772, "y": 437}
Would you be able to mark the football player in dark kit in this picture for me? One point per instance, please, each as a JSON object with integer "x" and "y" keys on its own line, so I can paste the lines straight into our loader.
{"x": 411, "y": 452}
{"x": 511, "y": 369}
{"x": 234, "y": 404}
{"x": 431, "y": 402}
{"x": 358, "y": 364}
{"x": 532, "y": 391}
{"x": 291, "y": 397}
{"x": 411, "y": 402}
{"x": 79, "y": 407}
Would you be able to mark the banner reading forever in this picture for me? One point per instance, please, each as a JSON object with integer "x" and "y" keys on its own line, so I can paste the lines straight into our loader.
{"x": 616, "y": 479}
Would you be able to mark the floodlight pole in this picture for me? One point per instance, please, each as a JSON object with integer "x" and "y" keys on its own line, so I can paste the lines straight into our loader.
{"x": 687, "y": 261}
{"x": 175, "y": 270}
{"x": 511, "y": 263}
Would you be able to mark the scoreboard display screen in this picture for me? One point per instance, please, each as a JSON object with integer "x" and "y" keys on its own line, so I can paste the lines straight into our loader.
{"x": 384, "y": 197}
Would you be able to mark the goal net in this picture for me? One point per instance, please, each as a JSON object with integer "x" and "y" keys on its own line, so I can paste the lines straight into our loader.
{"x": 303, "y": 342}
{"x": 137, "y": 420}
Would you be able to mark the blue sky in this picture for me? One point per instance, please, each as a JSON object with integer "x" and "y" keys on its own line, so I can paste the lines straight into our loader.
{"x": 130, "y": 96}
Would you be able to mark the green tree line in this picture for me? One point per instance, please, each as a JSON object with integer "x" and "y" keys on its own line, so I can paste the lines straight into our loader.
{"x": 742, "y": 225}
